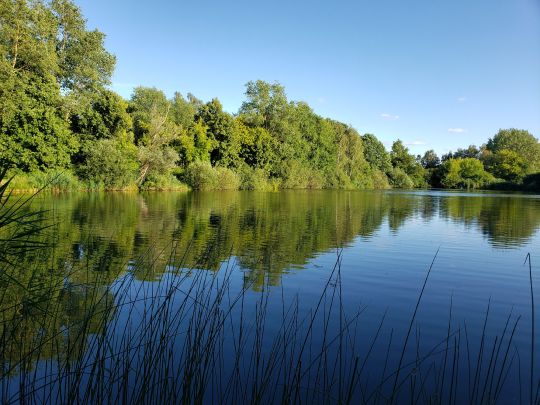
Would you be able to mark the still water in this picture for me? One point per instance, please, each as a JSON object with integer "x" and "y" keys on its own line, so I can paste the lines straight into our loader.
{"x": 285, "y": 246}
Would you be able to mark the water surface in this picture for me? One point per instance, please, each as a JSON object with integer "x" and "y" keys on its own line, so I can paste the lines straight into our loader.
{"x": 286, "y": 245}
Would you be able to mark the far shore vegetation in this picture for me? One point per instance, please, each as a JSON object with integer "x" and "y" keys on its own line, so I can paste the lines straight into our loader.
{"x": 62, "y": 127}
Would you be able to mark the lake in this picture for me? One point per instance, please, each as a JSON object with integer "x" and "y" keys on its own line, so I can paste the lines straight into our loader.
{"x": 275, "y": 297}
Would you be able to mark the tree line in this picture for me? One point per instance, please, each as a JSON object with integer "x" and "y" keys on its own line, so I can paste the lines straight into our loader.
{"x": 61, "y": 125}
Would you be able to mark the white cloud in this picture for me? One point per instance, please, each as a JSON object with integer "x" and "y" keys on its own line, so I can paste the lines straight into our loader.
{"x": 457, "y": 130}
{"x": 415, "y": 143}
{"x": 462, "y": 99}
{"x": 389, "y": 117}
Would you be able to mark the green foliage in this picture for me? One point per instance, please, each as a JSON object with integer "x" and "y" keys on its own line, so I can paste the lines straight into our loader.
{"x": 266, "y": 106}
{"x": 401, "y": 158}
{"x": 399, "y": 179}
{"x": 103, "y": 115}
{"x": 182, "y": 111}
{"x": 350, "y": 154}
{"x": 406, "y": 164}
{"x": 376, "y": 154}
{"x": 155, "y": 132}
{"x": 148, "y": 105}
{"x": 226, "y": 179}
{"x": 471, "y": 152}
{"x": 56, "y": 180}
{"x": 201, "y": 176}
{"x": 110, "y": 163}
{"x": 258, "y": 148}
{"x": 56, "y": 113}
{"x": 296, "y": 175}
{"x": 506, "y": 164}
{"x": 519, "y": 141}
{"x": 430, "y": 160}
{"x": 193, "y": 144}
{"x": 84, "y": 64}
{"x": 464, "y": 173}
{"x": 44, "y": 47}
{"x": 221, "y": 134}
{"x": 33, "y": 134}
{"x": 379, "y": 179}
{"x": 160, "y": 182}
{"x": 254, "y": 179}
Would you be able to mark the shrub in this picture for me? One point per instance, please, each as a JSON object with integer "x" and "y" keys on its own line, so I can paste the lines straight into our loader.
{"x": 298, "y": 176}
{"x": 380, "y": 180}
{"x": 315, "y": 180}
{"x": 163, "y": 182}
{"x": 110, "y": 163}
{"x": 253, "y": 179}
{"x": 294, "y": 175}
{"x": 464, "y": 173}
{"x": 226, "y": 179}
{"x": 52, "y": 180}
{"x": 201, "y": 176}
{"x": 399, "y": 179}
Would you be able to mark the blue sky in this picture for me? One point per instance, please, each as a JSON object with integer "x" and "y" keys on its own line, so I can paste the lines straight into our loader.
{"x": 437, "y": 75}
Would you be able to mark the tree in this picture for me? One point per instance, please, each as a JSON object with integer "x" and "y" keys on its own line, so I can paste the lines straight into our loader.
{"x": 402, "y": 159}
{"x": 258, "y": 147}
{"x": 46, "y": 53}
{"x": 183, "y": 112}
{"x": 155, "y": 132}
{"x": 376, "y": 154}
{"x": 111, "y": 163}
{"x": 193, "y": 145}
{"x": 520, "y": 141}
{"x": 266, "y": 105}
{"x": 105, "y": 116}
{"x": 145, "y": 103}
{"x": 430, "y": 160}
{"x": 33, "y": 134}
{"x": 84, "y": 64}
{"x": 221, "y": 133}
{"x": 399, "y": 179}
{"x": 400, "y": 156}
{"x": 155, "y": 153}
{"x": 506, "y": 164}
{"x": 464, "y": 173}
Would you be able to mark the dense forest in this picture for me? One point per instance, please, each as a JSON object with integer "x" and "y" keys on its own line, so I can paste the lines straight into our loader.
{"x": 61, "y": 126}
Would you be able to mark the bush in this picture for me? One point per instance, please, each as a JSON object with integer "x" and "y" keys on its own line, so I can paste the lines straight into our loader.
{"x": 253, "y": 179}
{"x": 201, "y": 176}
{"x": 298, "y": 176}
{"x": 163, "y": 182}
{"x": 399, "y": 179}
{"x": 294, "y": 175}
{"x": 315, "y": 180}
{"x": 380, "y": 180}
{"x": 338, "y": 179}
{"x": 111, "y": 164}
{"x": 466, "y": 173}
{"x": 52, "y": 180}
{"x": 226, "y": 179}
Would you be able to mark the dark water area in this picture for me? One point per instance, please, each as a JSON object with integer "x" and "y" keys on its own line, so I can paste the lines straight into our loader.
{"x": 346, "y": 253}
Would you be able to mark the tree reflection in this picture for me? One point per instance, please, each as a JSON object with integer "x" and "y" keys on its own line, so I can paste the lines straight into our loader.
{"x": 96, "y": 238}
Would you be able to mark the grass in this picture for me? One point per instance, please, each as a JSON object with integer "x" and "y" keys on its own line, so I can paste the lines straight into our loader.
{"x": 197, "y": 336}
